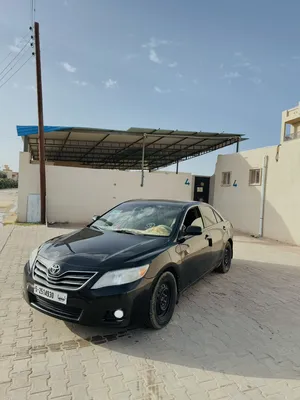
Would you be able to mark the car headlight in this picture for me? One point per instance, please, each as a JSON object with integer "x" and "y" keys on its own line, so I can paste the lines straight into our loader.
{"x": 32, "y": 258}
{"x": 121, "y": 277}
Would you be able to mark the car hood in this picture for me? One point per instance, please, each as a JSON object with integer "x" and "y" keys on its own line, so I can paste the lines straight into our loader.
{"x": 92, "y": 248}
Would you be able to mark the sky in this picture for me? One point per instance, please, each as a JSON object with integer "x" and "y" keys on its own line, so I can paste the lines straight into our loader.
{"x": 196, "y": 65}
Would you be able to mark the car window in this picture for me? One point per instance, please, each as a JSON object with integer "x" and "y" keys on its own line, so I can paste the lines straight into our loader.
{"x": 218, "y": 217}
{"x": 193, "y": 217}
{"x": 157, "y": 219}
{"x": 208, "y": 216}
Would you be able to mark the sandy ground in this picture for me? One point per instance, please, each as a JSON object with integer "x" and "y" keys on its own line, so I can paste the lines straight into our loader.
{"x": 8, "y": 205}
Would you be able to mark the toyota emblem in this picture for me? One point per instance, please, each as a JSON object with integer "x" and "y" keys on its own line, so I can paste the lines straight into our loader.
{"x": 54, "y": 269}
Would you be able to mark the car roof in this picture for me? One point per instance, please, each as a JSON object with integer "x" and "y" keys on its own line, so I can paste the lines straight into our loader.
{"x": 166, "y": 201}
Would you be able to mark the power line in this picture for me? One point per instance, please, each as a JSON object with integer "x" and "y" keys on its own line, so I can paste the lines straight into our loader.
{"x": 17, "y": 58}
{"x": 23, "y": 38}
{"x": 16, "y": 71}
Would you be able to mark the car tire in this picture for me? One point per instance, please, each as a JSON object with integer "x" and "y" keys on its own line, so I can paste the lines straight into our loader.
{"x": 225, "y": 265}
{"x": 163, "y": 301}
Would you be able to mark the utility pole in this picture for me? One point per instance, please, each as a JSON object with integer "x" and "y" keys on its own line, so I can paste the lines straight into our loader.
{"x": 40, "y": 122}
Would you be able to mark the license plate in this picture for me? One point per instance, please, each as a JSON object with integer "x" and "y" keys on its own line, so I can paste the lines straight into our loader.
{"x": 50, "y": 294}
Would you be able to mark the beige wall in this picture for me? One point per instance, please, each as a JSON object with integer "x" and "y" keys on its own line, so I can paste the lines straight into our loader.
{"x": 241, "y": 204}
{"x": 76, "y": 194}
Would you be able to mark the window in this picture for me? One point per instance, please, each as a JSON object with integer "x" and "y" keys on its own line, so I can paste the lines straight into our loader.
{"x": 193, "y": 217}
{"x": 140, "y": 218}
{"x": 226, "y": 178}
{"x": 208, "y": 216}
{"x": 254, "y": 176}
{"x": 218, "y": 217}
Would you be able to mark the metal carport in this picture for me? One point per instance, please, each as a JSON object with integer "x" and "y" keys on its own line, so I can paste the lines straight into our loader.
{"x": 134, "y": 149}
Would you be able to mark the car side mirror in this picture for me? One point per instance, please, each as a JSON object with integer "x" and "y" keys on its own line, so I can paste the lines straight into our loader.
{"x": 193, "y": 230}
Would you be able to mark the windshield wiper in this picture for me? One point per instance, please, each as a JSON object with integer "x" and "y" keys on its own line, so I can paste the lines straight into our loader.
{"x": 96, "y": 227}
{"x": 105, "y": 221}
{"x": 124, "y": 231}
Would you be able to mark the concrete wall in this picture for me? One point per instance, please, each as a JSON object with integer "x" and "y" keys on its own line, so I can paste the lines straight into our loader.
{"x": 241, "y": 203}
{"x": 76, "y": 194}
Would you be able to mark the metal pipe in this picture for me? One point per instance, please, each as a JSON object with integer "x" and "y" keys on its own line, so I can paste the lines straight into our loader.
{"x": 263, "y": 196}
{"x": 237, "y": 146}
{"x": 143, "y": 159}
{"x": 177, "y": 165}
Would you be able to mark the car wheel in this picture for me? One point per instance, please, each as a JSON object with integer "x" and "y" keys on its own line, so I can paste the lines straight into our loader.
{"x": 226, "y": 261}
{"x": 163, "y": 301}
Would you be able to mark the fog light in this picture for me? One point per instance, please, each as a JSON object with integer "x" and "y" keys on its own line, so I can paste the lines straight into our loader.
{"x": 119, "y": 314}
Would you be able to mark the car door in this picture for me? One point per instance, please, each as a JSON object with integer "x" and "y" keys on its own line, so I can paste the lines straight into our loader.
{"x": 195, "y": 251}
{"x": 214, "y": 231}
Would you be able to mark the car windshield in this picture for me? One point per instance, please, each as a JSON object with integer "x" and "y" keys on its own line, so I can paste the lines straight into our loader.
{"x": 140, "y": 219}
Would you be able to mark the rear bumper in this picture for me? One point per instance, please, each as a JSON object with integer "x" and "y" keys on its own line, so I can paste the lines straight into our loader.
{"x": 94, "y": 307}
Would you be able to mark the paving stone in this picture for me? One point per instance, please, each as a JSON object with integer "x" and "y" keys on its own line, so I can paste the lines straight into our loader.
{"x": 18, "y": 394}
{"x": 59, "y": 388}
{"x": 227, "y": 339}
{"x": 100, "y": 394}
{"x": 39, "y": 384}
{"x": 79, "y": 392}
{"x": 95, "y": 381}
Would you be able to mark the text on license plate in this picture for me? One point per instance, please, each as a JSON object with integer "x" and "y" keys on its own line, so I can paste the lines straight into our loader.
{"x": 50, "y": 294}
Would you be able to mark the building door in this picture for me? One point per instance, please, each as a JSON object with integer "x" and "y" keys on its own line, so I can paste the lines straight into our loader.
{"x": 201, "y": 188}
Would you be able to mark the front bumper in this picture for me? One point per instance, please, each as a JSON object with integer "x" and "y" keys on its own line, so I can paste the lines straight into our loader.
{"x": 94, "y": 307}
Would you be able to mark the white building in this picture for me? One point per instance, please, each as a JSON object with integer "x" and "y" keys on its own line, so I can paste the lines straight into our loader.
{"x": 259, "y": 190}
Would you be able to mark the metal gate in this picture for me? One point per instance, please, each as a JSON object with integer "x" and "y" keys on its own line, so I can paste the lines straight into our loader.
{"x": 201, "y": 188}
{"x": 33, "y": 208}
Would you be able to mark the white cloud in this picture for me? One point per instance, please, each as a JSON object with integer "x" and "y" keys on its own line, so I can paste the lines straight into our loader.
{"x": 245, "y": 63}
{"x": 161, "y": 91}
{"x": 296, "y": 58}
{"x": 153, "y": 42}
{"x": 18, "y": 44}
{"x": 195, "y": 81}
{"x": 68, "y": 67}
{"x": 173, "y": 64}
{"x": 130, "y": 57}
{"x": 232, "y": 75}
{"x": 109, "y": 84}
{"x": 80, "y": 83}
{"x": 222, "y": 66}
{"x": 256, "y": 81}
{"x": 179, "y": 75}
{"x": 154, "y": 57}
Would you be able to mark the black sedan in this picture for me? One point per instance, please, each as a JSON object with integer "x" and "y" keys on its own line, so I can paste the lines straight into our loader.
{"x": 129, "y": 264}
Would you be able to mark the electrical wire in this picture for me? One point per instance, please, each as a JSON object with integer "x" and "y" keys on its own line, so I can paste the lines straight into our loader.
{"x": 16, "y": 71}
{"x": 17, "y": 58}
{"x": 23, "y": 38}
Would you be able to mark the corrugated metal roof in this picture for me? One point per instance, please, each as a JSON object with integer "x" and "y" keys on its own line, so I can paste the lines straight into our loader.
{"x": 26, "y": 130}
{"x": 120, "y": 149}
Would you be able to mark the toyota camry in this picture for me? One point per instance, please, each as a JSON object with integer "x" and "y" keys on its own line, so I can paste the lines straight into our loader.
{"x": 130, "y": 264}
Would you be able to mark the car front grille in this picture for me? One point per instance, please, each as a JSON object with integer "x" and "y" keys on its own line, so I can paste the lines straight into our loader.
{"x": 69, "y": 280}
{"x": 59, "y": 310}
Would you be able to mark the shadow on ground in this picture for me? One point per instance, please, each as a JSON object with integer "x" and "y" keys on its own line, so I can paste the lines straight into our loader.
{"x": 244, "y": 323}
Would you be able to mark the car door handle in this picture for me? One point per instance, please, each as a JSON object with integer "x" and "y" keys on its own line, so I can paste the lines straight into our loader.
{"x": 208, "y": 237}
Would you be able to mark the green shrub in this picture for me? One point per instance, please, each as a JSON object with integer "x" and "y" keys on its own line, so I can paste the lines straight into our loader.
{"x": 8, "y": 183}
{"x": 3, "y": 175}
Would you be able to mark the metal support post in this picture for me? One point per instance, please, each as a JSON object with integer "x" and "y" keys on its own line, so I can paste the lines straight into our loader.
{"x": 143, "y": 159}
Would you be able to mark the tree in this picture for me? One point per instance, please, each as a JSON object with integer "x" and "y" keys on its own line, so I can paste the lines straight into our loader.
{"x": 3, "y": 175}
